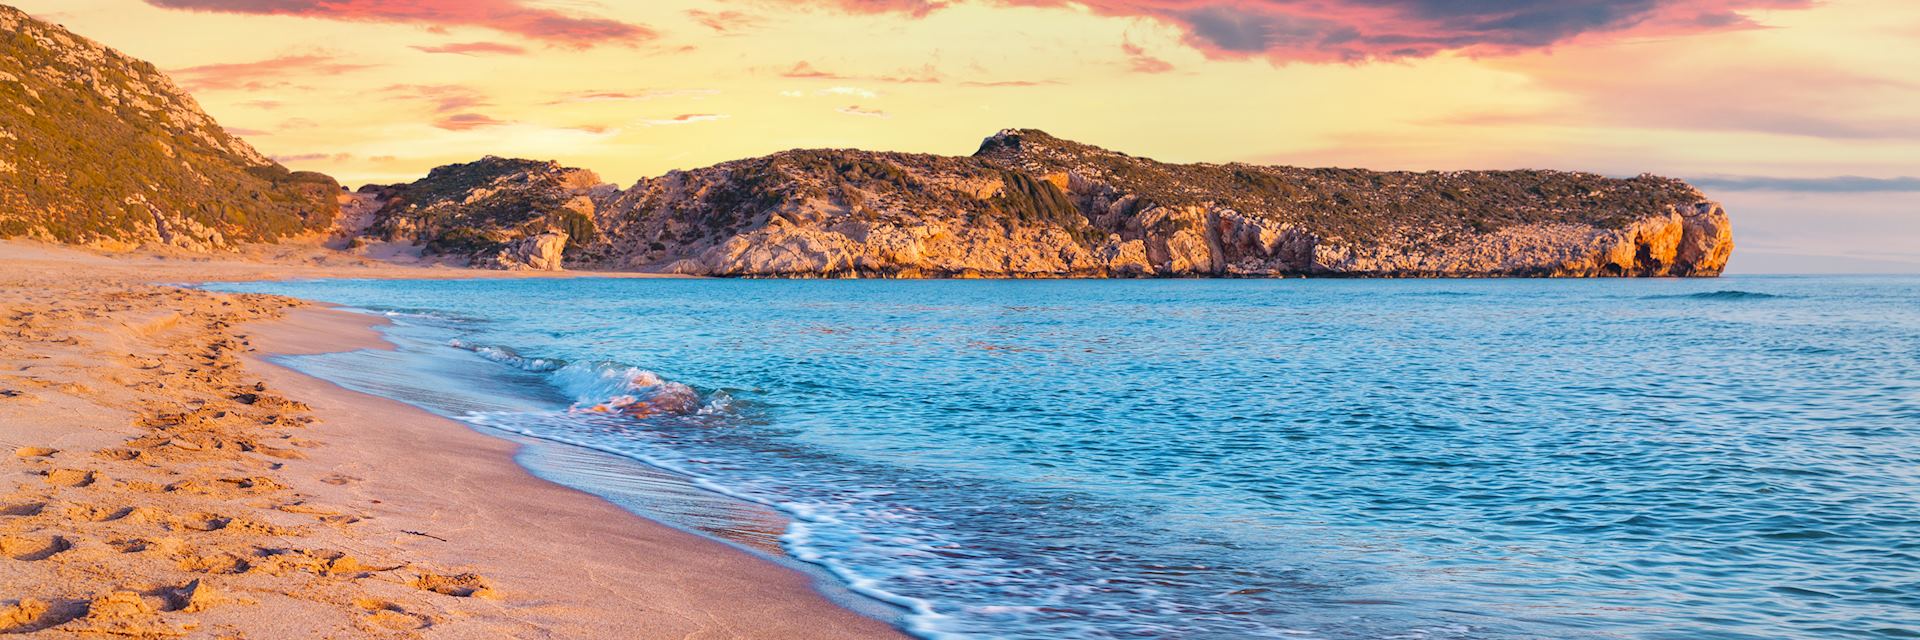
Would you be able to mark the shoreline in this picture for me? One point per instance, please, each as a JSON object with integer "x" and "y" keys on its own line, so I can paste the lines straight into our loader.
{"x": 194, "y": 487}
{"x": 725, "y": 582}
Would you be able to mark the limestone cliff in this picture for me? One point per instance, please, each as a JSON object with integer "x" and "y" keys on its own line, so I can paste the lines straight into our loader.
{"x": 99, "y": 148}
{"x": 1031, "y": 205}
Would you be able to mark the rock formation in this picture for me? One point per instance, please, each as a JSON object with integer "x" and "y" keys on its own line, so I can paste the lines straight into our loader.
{"x": 1032, "y": 205}
{"x": 98, "y": 148}
{"x": 494, "y": 213}
{"x": 543, "y": 252}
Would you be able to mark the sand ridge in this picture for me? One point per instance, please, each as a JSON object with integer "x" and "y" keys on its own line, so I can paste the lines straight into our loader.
{"x": 158, "y": 480}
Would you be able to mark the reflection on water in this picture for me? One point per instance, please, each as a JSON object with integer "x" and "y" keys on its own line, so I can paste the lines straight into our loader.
{"x": 1732, "y": 458}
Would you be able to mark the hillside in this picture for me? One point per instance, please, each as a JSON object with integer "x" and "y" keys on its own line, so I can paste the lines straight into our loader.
{"x": 1032, "y": 205}
{"x": 101, "y": 149}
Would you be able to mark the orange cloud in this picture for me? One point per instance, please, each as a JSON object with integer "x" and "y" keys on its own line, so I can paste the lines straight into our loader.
{"x": 517, "y": 17}
{"x": 474, "y": 48}
{"x": 687, "y": 118}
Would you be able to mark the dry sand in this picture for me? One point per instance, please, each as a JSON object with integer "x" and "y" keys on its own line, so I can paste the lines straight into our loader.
{"x": 158, "y": 479}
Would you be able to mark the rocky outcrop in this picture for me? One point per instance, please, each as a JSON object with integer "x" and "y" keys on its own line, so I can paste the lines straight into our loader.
{"x": 1031, "y": 205}
{"x": 98, "y": 148}
{"x": 533, "y": 253}
{"x": 494, "y": 212}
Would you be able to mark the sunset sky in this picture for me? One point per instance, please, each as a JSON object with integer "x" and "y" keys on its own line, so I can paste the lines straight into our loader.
{"x": 1803, "y": 116}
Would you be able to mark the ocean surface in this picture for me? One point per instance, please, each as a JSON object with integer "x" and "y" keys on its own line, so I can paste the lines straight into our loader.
{"x": 1340, "y": 459}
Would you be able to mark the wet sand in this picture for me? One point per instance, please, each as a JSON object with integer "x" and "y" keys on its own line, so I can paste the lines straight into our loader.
{"x": 160, "y": 478}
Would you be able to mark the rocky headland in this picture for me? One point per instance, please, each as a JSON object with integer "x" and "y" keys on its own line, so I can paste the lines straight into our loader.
{"x": 1028, "y": 204}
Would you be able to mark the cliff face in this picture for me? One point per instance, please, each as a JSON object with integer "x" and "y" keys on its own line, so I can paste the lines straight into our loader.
{"x": 1031, "y": 205}
{"x": 102, "y": 149}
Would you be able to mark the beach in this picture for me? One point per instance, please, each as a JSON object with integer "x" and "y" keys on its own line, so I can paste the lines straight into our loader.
{"x": 163, "y": 479}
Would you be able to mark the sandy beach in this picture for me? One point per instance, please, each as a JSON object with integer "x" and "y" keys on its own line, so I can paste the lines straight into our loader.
{"x": 163, "y": 480}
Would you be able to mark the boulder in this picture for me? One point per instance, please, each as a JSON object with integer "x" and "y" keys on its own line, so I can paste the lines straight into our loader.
{"x": 542, "y": 252}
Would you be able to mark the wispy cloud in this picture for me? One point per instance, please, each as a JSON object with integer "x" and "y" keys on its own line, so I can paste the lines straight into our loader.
{"x": 1141, "y": 62}
{"x": 1836, "y": 184}
{"x": 442, "y": 98}
{"x": 857, "y": 110}
{"x": 806, "y": 70}
{"x": 519, "y": 17}
{"x": 925, "y": 74}
{"x": 474, "y": 48}
{"x": 311, "y": 157}
{"x": 848, "y": 91}
{"x": 467, "y": 121}
{"x": 262, "y": 74}
{"x": 1009, "y": 83}
{"x": 632, "y": 96}
{"x": 686, "y": 118}
{"x": 729, "y": 22}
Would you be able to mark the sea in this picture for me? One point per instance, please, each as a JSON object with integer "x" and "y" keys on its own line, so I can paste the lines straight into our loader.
{"x": 1731, "y": 458}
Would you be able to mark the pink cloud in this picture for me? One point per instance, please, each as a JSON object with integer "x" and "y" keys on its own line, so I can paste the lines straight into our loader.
{"x": 1009, "y": 83}
{"x": 474, "y": 48}
{"x": 1141, "y": 62}
{"x": 804, "y": 69}
{"x": 632, "y": 96}
{"x": 926, "y": 74}
{"x": 518, "y": 17}
{"x": 443, "y": 97}
{"x": 261, "y": 74}
{"x": 466, "y": 121}
{"x": 1360, "y": 30}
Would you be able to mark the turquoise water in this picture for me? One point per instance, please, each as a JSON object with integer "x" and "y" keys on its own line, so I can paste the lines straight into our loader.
{"x": 1731, "y": 458}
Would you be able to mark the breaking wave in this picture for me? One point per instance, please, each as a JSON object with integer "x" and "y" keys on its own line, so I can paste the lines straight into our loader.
{"x": 607, "y": 387}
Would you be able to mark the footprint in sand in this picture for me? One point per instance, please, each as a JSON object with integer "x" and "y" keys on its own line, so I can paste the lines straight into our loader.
{"x": 120, "y": 454}
{"x": 340, "y": 479}
{"x": 22, "y": 509}
{"x": 221, "y": 562}
{"x": 388, "y": 615}
{"x": 35, "y": 452}
{"x": 203, "y": 522}
{"x": 462, "y": 585}
{"x": 126, "y": 614}
{"x": 71, "y": 477}
{"x": 27, "y": 615}
{"x": 32, "y": 548}
{"x": 129, "y": 545}
{"x": 316, "y": 562}
{"x": 95, "y": 513}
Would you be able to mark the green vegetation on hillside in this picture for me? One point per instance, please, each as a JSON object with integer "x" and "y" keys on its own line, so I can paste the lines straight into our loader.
{"x": 96, "y": 150}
